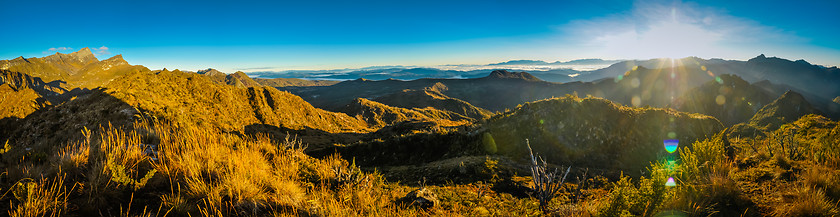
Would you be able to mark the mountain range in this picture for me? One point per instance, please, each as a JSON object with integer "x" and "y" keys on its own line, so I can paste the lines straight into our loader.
{"x": 252, "y": 146}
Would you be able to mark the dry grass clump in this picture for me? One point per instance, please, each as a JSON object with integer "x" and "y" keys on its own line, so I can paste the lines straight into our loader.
{"x": 806, "y": 201}
{"x": 823, "y": 178}
{"x": 46, "y": 197}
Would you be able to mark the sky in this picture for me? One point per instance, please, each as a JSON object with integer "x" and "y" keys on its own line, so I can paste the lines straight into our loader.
{"x": 282, "y": 35}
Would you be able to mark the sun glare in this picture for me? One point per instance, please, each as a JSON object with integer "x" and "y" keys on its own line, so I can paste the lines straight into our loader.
{"x": 662, "y": 37}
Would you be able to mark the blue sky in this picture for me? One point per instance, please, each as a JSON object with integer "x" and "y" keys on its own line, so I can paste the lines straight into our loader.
{"x": 276, "y": 35}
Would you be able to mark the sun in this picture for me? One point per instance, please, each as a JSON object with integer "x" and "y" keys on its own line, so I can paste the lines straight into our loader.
{"x": 668, "y": 39}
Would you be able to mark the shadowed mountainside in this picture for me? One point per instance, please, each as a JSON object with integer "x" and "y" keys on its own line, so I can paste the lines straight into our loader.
{"x": 504, "y": 90}
{"x": 594, "y": 132}
{"x": 23, "y": 94}
{"x": 730, "y": 99}
{"x": 492, "y": 93}
{"x": 786, "y": 109}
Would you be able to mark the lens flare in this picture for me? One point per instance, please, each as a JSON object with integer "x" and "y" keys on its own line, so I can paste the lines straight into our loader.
{"x": 636, "y": 101}
{"x": 671, "y": 145}
{"x": 720, "y": 99}
{"x": 635, "y": 82}
{"x": 672, "y": 135}
{"x": 670, "y": 182}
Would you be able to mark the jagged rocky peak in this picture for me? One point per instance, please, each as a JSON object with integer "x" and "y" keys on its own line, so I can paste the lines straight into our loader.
{"x": 84, "y": 52}
{"x": 83, "y": 55}
{"x": 116, "y": 59}
{"x": 504, "y": 74}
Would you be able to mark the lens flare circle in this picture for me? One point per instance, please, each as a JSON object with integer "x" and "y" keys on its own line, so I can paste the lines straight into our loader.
{"x": 670, "y": 182}
{"x": 671, "y": 145}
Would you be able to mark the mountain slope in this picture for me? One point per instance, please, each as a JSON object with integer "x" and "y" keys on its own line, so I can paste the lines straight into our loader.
{"x": 594, "y": 132}
{"x": 730, "y": 99}
{"x": 379, "y": 115}
{"x": 432, "y": 97}
{"x": 54, "y": 67}
{"x": 240, "y": 79}
{"x": 183, "y": 98}
{"x": 787, "y": 108}
{"x": 78, "y": 69}
{"x": 494, "y": 93}
{"x": 192, "y": 97}
{"x": 237, "y": 79}
{"x": 210, "y": 72}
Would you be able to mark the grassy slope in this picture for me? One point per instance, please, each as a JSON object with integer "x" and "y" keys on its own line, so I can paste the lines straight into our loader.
{"x": 432, "y": 97}
{"x": 594, "y": 132}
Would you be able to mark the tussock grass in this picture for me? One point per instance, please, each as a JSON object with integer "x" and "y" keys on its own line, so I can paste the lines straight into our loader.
{"x": 806, "y": 201}
{"x": 46, "y": 197}
{"x": 165, "y": 168}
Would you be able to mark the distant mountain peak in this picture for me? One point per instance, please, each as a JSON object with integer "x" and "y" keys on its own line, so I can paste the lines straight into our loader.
{"x": 240, "y": 79}
{"x": 83, "y": 54}
{"x": 240, "y": 73}
{"x": 116, "y": 60}
{"x": 792, "y": 96}
{"x": 210, "y": 72}
{"x": 504, "y": 74}
{"x": 520, "y": 62}
{"x": 786, "y": 109}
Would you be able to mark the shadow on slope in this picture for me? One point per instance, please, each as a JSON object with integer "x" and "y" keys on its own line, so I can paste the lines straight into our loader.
{"x": 594, "y": 132}
{"x": 39, "y": 132}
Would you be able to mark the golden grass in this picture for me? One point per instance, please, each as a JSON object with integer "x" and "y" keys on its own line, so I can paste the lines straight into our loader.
{"x": 807, "y": 201}
{"x": 43, "y": 198}
{"x": 160, "y": 168}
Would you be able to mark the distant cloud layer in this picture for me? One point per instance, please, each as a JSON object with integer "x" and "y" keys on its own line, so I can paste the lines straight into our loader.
{"x": 101, "y": 51}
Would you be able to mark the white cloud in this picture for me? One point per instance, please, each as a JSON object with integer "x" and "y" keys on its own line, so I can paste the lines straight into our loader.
{"x": 56, "y": 49}
{"x": 101, "y": 51}
{"x": 653, "y": 29}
